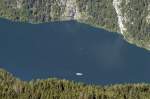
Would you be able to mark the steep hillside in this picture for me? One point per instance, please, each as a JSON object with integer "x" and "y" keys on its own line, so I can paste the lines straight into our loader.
{"x": 130, "y": 18}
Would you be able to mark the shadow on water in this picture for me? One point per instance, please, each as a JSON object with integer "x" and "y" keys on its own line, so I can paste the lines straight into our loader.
{"x": 62, "y": 49}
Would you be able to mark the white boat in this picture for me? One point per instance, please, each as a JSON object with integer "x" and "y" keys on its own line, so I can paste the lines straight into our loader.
{"x": 79, "y": 74}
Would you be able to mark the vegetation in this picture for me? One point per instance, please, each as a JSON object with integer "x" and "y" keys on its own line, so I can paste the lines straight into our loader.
{"x": 52, "y": 88}
{"x": 99, "y": 13}
{"x": 138, "y": 27}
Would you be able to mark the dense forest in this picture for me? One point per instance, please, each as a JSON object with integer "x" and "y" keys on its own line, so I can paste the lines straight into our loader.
{"x": 52, "y": 88}
{"x": 137, "y": 21}
{"x": 134, "y": 14}
{"x": 99, "y": 13}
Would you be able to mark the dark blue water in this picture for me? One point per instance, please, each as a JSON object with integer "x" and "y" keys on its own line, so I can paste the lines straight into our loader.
{"x": 61, "y": 49}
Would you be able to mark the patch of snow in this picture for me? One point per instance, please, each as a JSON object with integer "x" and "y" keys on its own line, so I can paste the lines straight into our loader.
{"x": 116, "y": 4}
{"x": 71, "y": 10}
{"x": 149, "y": 7}
{"x": 127, "y": 1}
{"x": 148, "y": 19}
{"x": 62, "y": 2}
{"x": 132, "y": 23}
{"x": 19, "y": 4}
{"x": 148, "y": 16}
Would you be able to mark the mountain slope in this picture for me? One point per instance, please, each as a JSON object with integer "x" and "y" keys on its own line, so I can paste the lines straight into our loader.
{"x": 130, "y": 18}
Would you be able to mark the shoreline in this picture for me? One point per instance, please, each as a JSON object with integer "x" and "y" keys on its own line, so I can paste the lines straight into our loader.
{"x": 86, "y": 23}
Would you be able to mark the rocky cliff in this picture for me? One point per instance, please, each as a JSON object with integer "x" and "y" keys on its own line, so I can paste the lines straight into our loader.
{"x": 130, "y": 18}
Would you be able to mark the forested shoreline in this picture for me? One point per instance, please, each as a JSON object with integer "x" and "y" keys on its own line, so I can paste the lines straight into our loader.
{"x": 52, "y": 88}
{"x": 135, "y": 15}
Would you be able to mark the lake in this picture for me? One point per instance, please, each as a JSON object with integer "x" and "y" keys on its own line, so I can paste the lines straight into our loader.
{"x": 70, "y": 50}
